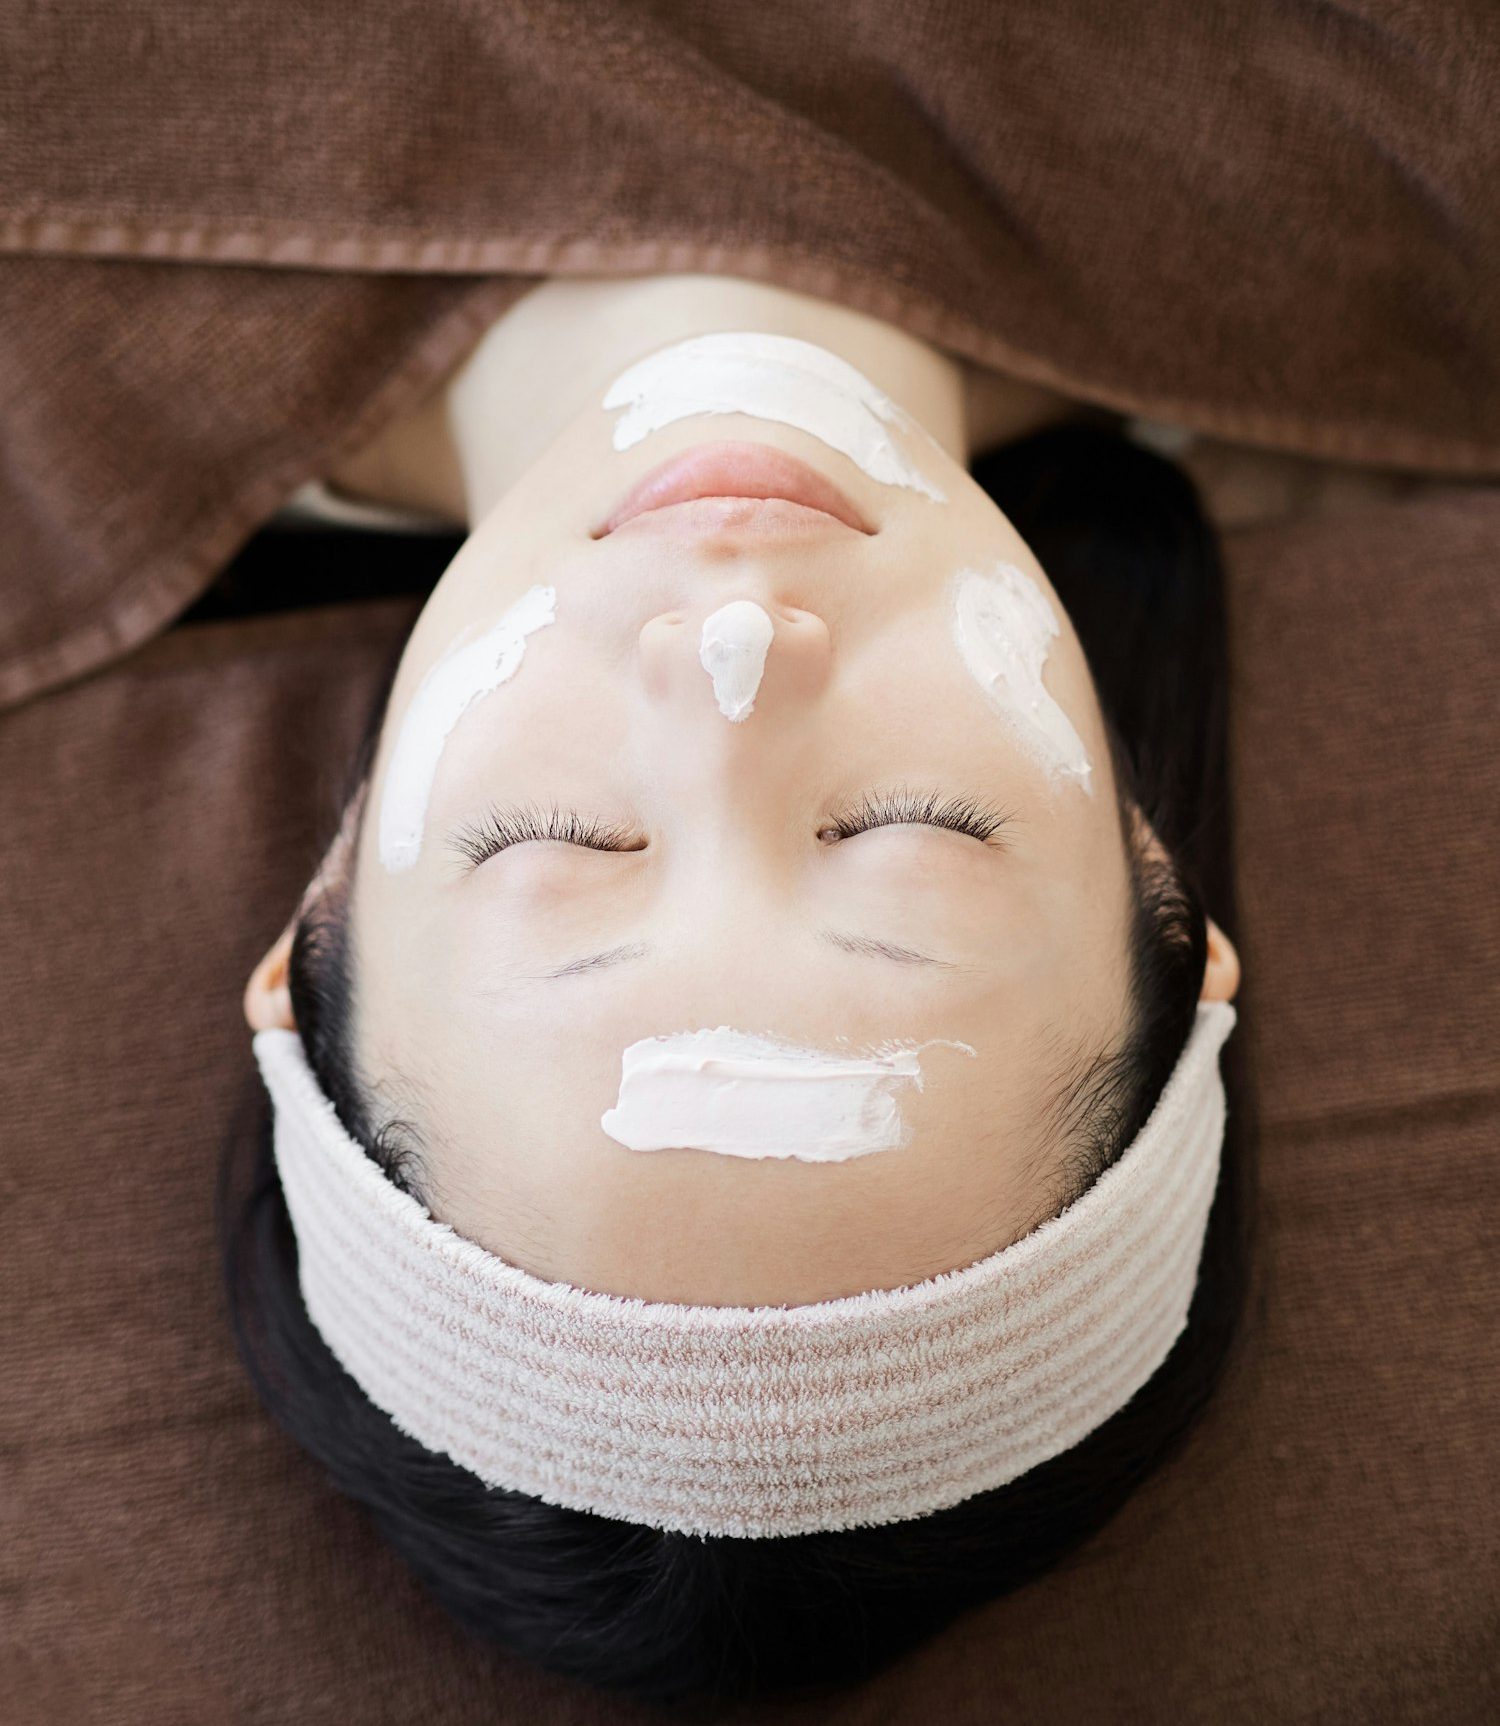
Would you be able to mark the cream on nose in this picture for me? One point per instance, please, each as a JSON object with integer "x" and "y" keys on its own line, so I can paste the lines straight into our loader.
{"x": 732, "y": 650}
{"x": 742, "y": 654}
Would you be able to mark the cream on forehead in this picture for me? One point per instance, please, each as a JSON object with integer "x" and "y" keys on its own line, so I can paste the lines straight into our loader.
{"x": 451, "y": 686}
{"x": 732, "y": 650}
{"x": 742, "y": 1095}
{"x": 769, "y": 378}
{"x": 1004, "y": 627}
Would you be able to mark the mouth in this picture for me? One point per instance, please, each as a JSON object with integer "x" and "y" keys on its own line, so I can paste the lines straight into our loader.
{"x": 748, "y": 486}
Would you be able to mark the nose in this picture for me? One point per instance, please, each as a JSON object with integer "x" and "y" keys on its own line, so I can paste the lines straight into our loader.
{"x": 702, "y": 661}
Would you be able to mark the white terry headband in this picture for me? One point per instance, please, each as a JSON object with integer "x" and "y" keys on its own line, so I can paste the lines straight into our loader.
{"x": 754, "y": 1421}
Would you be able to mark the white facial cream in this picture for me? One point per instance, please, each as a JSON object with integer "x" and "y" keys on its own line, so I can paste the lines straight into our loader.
{"x": 450, "y": 687}
{"x": 1004, "y": 625}
{"x": 742, "y": 1095}
{"x": 732, "y": 650}
{"x": 768, "y": 378}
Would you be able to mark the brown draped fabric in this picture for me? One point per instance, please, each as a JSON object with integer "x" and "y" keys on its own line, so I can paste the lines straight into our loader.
{"x": 242, "y": 236}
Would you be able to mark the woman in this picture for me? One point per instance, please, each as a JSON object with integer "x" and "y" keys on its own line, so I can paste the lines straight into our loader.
{"x": 913, "y": 754}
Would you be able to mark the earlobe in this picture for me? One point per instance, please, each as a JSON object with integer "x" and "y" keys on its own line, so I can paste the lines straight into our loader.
{"x": 1221, "y": 976}
{"x": 268, "y": 1000}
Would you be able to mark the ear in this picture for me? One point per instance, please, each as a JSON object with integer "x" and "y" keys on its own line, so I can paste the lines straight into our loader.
{"x": 268, "y": 1000}
{"x": 1221, "y": 976}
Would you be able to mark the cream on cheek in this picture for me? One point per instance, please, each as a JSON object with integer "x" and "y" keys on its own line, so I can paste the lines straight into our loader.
{"x": 772, "y": 378}
{"x": 1004, "y": 627}
{"x": 451, "y": 686}
{"x": 742, "y": 1095}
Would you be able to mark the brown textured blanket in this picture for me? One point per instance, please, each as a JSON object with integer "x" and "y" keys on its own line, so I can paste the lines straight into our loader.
{"x": 244, "y": 234}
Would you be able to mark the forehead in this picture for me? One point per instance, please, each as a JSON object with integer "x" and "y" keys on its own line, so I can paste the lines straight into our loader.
{"x": 520, "y": 1161}
{"x": 512, "y": 1064}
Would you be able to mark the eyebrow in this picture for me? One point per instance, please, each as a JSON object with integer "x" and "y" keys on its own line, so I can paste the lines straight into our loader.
{"x": 600, "y": 961}
{"x": 879, "y": 949}
{"x": 861, "y": 944}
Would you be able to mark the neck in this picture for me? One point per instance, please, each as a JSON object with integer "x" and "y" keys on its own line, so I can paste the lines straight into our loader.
{"x": 553, "y": 353}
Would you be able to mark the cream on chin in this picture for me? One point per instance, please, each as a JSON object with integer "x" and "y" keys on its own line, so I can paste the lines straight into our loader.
{"x": 769, "y": 377}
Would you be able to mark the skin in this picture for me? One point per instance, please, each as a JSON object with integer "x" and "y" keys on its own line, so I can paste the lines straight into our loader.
{"x": 750, "y": 914}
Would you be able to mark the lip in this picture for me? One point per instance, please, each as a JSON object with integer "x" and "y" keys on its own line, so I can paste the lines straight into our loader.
{"x": 748, "y": 486}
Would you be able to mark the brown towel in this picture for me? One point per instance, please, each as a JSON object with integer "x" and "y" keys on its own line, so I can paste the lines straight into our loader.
{"x": 246, "y": 235}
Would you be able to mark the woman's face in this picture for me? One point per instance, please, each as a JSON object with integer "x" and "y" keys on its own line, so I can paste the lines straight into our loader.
{"x": 495, "y": 999}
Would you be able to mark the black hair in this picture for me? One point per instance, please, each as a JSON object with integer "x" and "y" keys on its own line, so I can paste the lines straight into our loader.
{"x": 691, "y": 1621}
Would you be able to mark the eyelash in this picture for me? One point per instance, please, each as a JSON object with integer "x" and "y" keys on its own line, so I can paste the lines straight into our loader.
{"x": 918, "y": 808}
{"x": 498, "y": 828}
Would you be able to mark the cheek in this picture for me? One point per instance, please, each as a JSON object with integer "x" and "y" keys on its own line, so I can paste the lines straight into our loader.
{"x": 905, "y": 679}
{"x": 1022, "y": 703}
{"x": 541, "y": 738}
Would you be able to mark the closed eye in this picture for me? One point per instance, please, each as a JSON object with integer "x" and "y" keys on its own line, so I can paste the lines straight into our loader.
{"x": 501, "y": 827}
{"x": 903, "y": 808}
